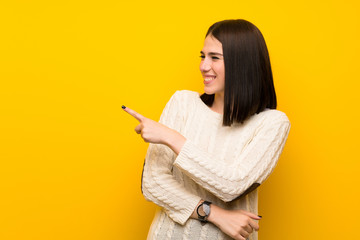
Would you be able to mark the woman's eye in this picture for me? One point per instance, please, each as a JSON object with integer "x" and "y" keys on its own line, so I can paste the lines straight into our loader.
{"x": 216, "y": 58}
{"x": 202, "y": 56}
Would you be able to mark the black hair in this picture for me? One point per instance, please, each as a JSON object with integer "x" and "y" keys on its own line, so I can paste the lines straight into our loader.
{"x": 249, "y": 86}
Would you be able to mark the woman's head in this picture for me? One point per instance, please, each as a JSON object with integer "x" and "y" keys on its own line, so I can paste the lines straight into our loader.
{"x": 249, "y": 86}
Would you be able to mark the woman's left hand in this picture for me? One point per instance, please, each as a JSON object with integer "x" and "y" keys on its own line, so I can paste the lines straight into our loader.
{"x": 155, "y": 132}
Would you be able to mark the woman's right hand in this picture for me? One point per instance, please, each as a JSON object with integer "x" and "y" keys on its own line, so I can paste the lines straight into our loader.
{"x": 238, "y": 224}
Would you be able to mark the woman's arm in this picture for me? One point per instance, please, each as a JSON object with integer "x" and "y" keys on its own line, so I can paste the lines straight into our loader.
{"x": 253, "y": 165}
{"x": 227, "y": 182}
{"x": 238, "y": 224}
{"x": 158, "y": 183}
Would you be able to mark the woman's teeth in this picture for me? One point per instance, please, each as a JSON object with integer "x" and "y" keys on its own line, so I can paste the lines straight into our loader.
{"x": 208, "y": 79}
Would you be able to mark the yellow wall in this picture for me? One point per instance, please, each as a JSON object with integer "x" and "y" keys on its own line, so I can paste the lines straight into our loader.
{"x": 70, "y": 162}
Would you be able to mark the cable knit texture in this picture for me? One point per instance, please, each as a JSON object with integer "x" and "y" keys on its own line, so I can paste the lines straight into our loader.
{"x": 216, "y": 163}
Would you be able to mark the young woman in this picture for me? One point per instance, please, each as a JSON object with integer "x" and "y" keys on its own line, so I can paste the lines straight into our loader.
{"x": 209, "y": 153}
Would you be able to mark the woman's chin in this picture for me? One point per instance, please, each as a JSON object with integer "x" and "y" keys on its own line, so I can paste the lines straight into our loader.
{"x": 209, "y": 91}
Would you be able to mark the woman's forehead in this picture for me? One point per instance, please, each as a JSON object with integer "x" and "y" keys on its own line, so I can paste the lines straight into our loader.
{"x": 212, "y": 45}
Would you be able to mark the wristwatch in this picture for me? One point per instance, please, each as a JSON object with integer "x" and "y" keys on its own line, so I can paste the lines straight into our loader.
{"x": 206, "y": 209}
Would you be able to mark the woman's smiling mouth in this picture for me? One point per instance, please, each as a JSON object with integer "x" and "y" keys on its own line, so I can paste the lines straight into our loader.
{"x": 208, "y": 79}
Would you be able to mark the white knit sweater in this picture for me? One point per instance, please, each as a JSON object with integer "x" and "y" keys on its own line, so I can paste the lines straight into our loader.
{"x": 216, "y": 163}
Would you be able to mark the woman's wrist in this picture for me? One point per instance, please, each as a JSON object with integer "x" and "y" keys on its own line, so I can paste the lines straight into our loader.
{"x": 213, "y": 213}
{"x": 174, "y": 140}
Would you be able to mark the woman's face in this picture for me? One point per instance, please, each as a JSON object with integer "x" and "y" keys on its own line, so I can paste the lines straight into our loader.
{"x": 212, "y": 66}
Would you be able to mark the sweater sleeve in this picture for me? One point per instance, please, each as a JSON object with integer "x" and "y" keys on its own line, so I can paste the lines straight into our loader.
{"x": 252, "y": 166}
{"x": 158, "y": 182}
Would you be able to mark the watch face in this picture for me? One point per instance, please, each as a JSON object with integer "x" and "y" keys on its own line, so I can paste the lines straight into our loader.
{"x": 206, "y": 209}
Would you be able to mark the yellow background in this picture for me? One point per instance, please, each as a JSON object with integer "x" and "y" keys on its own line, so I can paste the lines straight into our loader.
{"x": 70, "y": 162}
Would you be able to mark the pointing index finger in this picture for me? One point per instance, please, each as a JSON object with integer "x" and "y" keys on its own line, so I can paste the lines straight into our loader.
{"x": 136, "y": 115}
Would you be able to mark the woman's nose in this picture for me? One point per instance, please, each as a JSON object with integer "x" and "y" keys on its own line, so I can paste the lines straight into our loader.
{"x": 205, "y": 66}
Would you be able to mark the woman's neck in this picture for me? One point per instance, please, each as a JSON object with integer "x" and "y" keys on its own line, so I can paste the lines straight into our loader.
{"x": 218, "y": 104}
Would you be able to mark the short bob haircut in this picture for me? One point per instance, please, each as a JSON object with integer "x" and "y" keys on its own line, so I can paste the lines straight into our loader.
{"x": 249, "y": 86}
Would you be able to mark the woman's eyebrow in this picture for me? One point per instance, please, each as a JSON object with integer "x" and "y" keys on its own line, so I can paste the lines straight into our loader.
{"x": 212, "y": 53}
